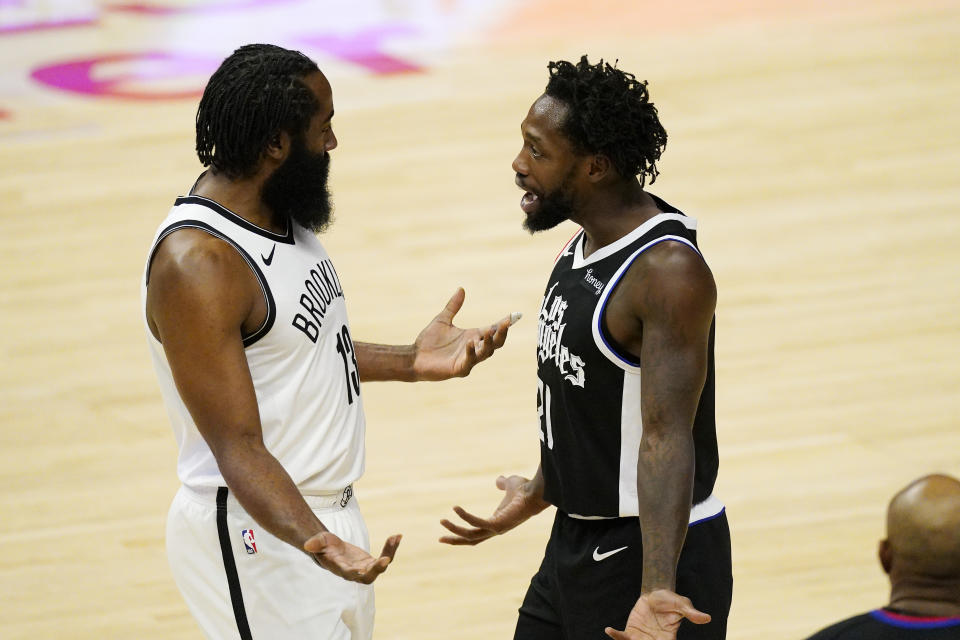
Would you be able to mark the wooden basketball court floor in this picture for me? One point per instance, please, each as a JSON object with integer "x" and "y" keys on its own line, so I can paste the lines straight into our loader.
{"x": 817, "y": 143}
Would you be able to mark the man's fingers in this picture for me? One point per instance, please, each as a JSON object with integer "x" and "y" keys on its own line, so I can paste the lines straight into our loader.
{"x": 463, "y": 532}
{"x": 475, "y": 521}
{"x": 500, "y": 329}
{"x": 499, "y": 336}
{"x": 453, "y": 305}
{"x": 615, "y": 634}
{"x": 487, "y": 344}
{"x": 470, "y": 356}
{"x": 458, "y": 542}
{"x": 695, "y": 616}
{"x": 373, "y": 570}
{"x": 685, "y": 609}
{"x": 390, "y": 546}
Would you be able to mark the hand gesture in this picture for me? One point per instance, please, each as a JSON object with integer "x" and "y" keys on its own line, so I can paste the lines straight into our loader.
{"x": 519, "y": 504}
{"x": 657, "y": 616}
{"x": 444, "y": 351}
{"x": 348, "y": 561}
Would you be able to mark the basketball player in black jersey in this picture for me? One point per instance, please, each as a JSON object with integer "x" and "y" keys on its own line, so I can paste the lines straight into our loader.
{"x": 626, "y": 387}
{"x": 921, "y": 554}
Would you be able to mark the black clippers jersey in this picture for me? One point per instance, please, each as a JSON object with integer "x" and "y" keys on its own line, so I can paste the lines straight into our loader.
{"x": 589, "y": 389}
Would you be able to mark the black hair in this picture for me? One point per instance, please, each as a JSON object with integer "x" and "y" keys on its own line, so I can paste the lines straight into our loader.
{"x": 256, "y": 92}
{"x": 609, "y": 112}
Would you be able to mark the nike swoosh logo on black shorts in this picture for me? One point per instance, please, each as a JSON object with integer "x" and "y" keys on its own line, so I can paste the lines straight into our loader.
{"x": 606, "y": 554}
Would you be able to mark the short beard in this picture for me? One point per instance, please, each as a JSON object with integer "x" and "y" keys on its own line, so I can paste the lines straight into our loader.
{"x": 297, "y": 190}
{"x": 554, "y": 209}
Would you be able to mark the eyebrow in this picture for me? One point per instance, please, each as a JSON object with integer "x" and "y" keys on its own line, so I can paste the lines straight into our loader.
{"x": 329, "y": 117}
{"x": 531, "y": 136}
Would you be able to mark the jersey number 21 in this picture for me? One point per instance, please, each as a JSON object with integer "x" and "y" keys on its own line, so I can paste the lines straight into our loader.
{"x": 543, "y": 411}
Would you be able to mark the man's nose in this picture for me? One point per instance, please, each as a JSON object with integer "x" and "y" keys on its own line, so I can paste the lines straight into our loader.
{"x": 519, "y": 167}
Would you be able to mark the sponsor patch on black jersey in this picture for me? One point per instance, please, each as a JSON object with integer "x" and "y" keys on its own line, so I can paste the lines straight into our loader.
{"x": 591, "y": 283}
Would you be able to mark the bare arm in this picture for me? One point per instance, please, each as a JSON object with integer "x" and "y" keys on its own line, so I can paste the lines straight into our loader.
{"x": 676, "y": 308}
{"x": 441, "y": 351}
{"x": 672, "y": 296}
{"x": 200, "y": 298}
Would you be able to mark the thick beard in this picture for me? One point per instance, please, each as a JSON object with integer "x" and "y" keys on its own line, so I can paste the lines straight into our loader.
{"x": 298, "y": 190}
{"x": 554, "y": 209}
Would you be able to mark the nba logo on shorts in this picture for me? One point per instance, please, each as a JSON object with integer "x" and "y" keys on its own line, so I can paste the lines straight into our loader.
{"x": 248, "y": 541}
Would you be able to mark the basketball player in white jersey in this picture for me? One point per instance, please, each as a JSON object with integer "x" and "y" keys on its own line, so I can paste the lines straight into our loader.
{"x": 626, "y": 388}
{"x": 249, "y": 337}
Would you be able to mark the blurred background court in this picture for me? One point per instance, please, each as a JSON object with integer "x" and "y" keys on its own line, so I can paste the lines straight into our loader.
{"x": 817, "y": 143}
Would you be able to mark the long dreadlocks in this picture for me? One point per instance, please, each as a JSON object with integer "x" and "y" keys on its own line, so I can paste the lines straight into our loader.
{"x": 256, "y": 92}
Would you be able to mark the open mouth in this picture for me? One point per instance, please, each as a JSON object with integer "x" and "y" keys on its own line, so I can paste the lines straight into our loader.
{"x": 530, "y": 202}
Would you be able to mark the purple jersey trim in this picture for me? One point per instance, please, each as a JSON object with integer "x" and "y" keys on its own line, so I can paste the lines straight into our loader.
{"x": 913, "y": 622}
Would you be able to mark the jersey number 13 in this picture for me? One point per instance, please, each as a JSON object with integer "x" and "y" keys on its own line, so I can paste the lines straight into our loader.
{"x": 349, "y": 357}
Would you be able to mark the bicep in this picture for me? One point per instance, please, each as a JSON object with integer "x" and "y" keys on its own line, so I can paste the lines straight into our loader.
{"x": 673, "y": 372}
{"x": 676, "y": 310}
{"x": 198, "y": 304}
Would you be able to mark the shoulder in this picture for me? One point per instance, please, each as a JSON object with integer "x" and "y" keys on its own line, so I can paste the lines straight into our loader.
{"x": 193, "y": 265}
{"x": 190, "y": 255}
{"x": 671, "y": 275}
{"x": 675, "y": 262}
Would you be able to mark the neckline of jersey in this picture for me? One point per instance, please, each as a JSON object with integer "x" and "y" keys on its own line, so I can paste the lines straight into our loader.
{"x": 897, "y": 619}
{"x": 237, "y": 219}
{"x": 606, "y": 251}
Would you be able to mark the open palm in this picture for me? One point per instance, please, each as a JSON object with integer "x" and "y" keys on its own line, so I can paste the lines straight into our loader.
{"x": 443, "y": 350}
{"x": 657, "y": 616}
{"x": 517, "y": 506}
{"x": 349, "y": 561}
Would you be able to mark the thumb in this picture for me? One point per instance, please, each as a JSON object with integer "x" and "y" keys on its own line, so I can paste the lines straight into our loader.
{"x": 454, "y": 304}
{"x": 501, "y": 482}
{"x": 317, "y": 543}
{"x": 695, "y": 616}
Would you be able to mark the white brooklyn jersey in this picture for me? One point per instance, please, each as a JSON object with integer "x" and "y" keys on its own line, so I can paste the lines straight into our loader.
{"x": 301, "y": 359}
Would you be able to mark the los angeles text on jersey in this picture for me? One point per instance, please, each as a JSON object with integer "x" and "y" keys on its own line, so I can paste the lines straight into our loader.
{"x": 550, "y": 341}
{"x": 320, "y": 290}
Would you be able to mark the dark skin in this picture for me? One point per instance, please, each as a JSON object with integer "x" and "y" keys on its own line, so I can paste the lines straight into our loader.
{"x": 661, "y": 311}
{"x": 203, "y": 298}
{"x": 921, "y": 553}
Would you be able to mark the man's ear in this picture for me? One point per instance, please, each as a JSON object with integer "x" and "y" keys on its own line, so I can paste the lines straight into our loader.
{"x": 278, "y": 147}
{"x": 886, "y": 555}
{"x": 599, "y": 167}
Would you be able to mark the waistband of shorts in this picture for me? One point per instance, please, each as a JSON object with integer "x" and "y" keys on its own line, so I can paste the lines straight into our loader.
{"x": 332, "y": 501}
{"x": 700, "y": 512}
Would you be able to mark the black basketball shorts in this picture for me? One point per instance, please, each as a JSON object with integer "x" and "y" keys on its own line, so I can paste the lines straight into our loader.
{"x": 590, "y": 579}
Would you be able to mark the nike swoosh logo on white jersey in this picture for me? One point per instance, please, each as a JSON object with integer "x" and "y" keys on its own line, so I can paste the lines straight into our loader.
{"x": 606, "y": 554}
{"x": 268, "y": 259}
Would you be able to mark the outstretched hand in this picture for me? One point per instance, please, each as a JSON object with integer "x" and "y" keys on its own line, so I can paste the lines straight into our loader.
{"x": 348, "y": 561}
{"x": 444, "y": 351}
{"x": 518, "y": 505}
{"x": 657, "y": 616}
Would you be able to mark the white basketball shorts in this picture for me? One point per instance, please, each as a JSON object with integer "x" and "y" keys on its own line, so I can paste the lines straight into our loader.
{"x": 240, "y": 582}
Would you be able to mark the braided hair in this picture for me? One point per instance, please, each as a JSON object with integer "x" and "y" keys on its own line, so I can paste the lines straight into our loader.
{"x": 255, "y": 93}
{"x": 609, "y": 112}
